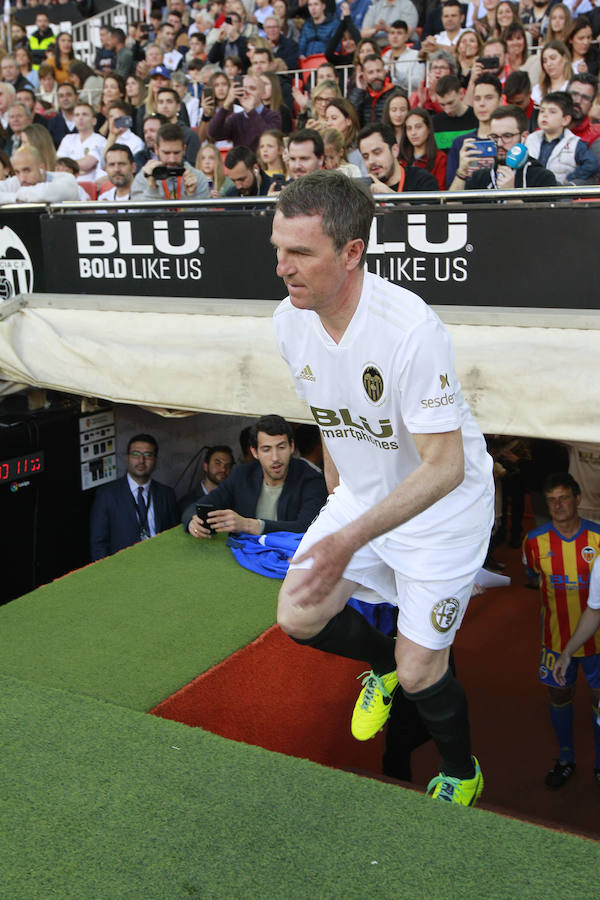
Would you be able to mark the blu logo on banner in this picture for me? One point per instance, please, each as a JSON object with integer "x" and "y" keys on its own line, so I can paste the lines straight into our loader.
{"x": 437, "y": 260}
{"x": 110, "y": 250}
{"x": 16, "y": 268}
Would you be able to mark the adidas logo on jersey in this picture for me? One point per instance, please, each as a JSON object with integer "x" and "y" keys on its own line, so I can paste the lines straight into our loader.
{"x": 307, "y": 374}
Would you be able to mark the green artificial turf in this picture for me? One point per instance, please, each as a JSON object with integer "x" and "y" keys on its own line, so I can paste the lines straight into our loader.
{"x": 135, "y": 627}
{"x": 104, "y": 802}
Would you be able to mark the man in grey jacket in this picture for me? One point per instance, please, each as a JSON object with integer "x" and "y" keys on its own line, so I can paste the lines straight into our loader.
{"x": 169, "y": 177}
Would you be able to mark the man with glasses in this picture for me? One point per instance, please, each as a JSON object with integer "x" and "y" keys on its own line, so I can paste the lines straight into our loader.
{"x": 583, "y": 88}
{"x": 132, "y": 508}
{"x": 441, "y": 62}
{"x": 508, "y": 127}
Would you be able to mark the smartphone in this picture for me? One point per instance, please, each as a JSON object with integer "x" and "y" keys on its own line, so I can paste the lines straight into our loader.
{"x": 238, "y": 80}
{"x": 208, "y": 93}
{"x": 489, "y": 62}
{"x": 202, "y": 510}
{"x": 279, "y": 179}
{"x": 487, "y": 151}
{"x": 123, "y": 122}
{"x": 485, "y": 148}
{"x": 228, "y": 19}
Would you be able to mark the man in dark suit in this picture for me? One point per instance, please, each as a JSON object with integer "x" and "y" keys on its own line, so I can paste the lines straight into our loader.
{"x": 277, "y": 492}
{"x": 63, "y": 122}
{"x": 133, "y": 508}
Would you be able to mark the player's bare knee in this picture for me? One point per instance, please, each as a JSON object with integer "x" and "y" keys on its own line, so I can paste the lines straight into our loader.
{"x": 418, "y": 671}
{"x": 290, "y": 618}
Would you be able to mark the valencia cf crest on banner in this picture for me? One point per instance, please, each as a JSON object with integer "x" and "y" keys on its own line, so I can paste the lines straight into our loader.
{"x": 16, "y": 268}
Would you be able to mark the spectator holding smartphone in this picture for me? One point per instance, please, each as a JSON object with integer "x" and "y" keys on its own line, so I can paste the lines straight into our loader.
{"x": 276, "y": 492}
{"x": 508, "y": 127}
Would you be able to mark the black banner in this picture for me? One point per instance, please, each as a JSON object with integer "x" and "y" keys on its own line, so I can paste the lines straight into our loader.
{"x": 529, "y": 255}
{"x": 208, "y": 254}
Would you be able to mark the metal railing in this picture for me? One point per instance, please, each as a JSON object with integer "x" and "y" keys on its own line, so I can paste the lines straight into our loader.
{"x": 86, "y": 34}
{"x": 309, "y": 76}
{"x": 438, "y": 198}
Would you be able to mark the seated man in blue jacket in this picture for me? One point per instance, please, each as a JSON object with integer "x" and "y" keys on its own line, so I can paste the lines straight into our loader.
{"x": 132, "y": 508}
{"x": 277, "y": 492}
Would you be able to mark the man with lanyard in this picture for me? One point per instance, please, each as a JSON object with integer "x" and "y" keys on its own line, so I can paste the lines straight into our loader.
{"x": 132, "y": 508}
{"x": 370, "y": 100}
{"x": 379, "y": 149}
{"x": 182, "y": 182}
{"x": 560, "y": 554}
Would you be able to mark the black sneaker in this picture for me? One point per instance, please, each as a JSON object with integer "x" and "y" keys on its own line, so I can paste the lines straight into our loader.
{"x": 559, "y": 775}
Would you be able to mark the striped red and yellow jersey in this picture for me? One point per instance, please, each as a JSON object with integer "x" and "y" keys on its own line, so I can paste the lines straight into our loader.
{"x": 564, "y": 566}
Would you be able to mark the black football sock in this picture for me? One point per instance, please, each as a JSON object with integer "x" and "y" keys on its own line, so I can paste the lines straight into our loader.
{"x": 444, "y": 711}
{"x": 349, "y": 634}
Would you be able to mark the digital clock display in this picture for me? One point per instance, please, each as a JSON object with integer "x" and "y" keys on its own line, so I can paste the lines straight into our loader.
{"x": 21, "y": 466}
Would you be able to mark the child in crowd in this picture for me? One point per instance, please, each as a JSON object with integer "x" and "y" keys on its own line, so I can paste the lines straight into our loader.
{"x": 556, "y": 147}
{"x": 271, "y": 149}
{"x": 335, "y": 154}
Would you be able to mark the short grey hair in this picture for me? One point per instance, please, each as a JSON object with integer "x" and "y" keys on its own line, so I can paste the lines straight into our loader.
{"x": 345, "y": 205}
{"x": 446, "y": 57}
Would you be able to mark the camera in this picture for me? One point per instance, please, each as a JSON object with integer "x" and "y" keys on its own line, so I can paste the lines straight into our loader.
{"x": 489, "y": 62}
{"x": 160, "y": 172}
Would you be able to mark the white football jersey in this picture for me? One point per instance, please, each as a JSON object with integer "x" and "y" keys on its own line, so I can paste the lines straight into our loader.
{"x": 73, "y": 147}
{"x": 392, "y": 375}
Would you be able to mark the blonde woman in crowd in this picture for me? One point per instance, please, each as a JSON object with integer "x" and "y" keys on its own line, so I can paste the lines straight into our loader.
{"x": 38, "y": 136}
{"x": 560, "y": 22}
{"x": 314, "y": 114}
{"x": 469, "y": 47}
{"x": 210, "y": 162}
{"x": 556, "y": 70}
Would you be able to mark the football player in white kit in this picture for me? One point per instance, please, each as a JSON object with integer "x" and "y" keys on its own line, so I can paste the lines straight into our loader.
{"x": 410, "y": 509}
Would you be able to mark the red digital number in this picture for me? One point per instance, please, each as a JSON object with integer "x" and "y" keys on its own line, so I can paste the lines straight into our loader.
{"x": 4, "y": 470}
{"x": 35, "y": 464}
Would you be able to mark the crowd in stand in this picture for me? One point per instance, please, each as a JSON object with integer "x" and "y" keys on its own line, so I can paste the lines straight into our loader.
{"x": 235, "y": 97}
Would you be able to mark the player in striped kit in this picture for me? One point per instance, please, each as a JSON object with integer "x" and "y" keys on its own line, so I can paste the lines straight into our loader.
{"x": 561, "y": 553}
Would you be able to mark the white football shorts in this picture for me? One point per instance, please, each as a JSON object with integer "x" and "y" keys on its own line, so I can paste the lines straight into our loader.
{"x": 431, "y": 586}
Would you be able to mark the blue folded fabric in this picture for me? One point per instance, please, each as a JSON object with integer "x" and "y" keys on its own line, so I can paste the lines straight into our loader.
{"x": 270, "y": 555}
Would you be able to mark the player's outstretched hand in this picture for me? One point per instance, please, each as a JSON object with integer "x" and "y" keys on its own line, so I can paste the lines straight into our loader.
{"x": 560, "y": 667}
{"x": 330, "y": 557}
